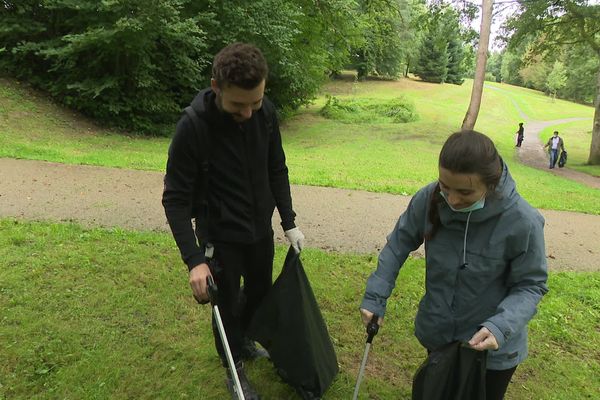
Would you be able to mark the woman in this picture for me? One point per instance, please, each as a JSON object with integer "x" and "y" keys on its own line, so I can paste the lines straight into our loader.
{"x": 485, "y": 259}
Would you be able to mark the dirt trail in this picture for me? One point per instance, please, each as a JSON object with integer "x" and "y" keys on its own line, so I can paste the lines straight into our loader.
{"x": 531, "y": 151}
{"x": 332, "y": 219}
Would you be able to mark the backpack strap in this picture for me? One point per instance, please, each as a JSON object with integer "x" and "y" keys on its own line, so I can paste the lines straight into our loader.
{"x": 202, "y": 132}
{"x": 204, "y": 138}
{"x": 268, "y": 110}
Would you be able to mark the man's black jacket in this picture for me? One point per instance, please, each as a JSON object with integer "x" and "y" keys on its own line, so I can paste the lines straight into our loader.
{"x": 247, "y": 178}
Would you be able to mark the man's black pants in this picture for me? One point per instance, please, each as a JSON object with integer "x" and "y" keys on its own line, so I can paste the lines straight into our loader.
{"x": 231, "y": 261}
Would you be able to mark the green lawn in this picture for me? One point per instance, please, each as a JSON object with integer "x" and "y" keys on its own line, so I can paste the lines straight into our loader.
{"x": 383, "y": 157}
{"x": 542, "y": 108}
{"x": 107, "y": 314}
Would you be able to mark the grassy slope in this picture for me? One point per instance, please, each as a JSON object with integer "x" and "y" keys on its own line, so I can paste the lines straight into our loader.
{"x": 395, "y": 158}
{"x": 119, "y": 323}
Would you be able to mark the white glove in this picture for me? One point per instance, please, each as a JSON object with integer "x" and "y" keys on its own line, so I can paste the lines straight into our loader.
{"x": 296, "y": 239}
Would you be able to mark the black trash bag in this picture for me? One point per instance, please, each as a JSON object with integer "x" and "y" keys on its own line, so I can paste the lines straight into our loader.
{"x": 562, "y": 160}
{"x": 453, "y": 372}
{"x": 290, "y": 326}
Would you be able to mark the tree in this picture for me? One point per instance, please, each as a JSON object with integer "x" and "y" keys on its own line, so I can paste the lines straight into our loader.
{"x": 387, "y": 37}
{"x": 557, "y": 23}
{"x": 557, "y": 79}
{"x": 581, "y": 64}
{"x": 494, "y": 66}
{"x": 433, "y": 63}
{"x": 107, "y": 59}
{"x": 510, "y": 68}
{"x": 482, "y": 50}
{"x": 456, "y": 70}
{"x": 534, "y": 72}
{"x": 136, "y": 63}
{"x": 442, "y": 54}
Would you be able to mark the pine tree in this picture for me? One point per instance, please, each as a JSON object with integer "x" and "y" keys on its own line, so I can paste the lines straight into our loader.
{"x": 456, "y": 69}
{"x": 433, "y": 63}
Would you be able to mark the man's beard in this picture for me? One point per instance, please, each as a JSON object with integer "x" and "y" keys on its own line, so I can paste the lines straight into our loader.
{"x": 236, "y": 117}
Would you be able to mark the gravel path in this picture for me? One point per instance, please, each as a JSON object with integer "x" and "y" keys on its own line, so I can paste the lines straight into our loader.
{"x": 332, "y": 219}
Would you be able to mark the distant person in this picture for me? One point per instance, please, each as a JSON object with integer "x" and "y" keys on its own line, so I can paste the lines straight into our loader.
{"x": 485, "y": 260}
{"x": 555, "y": 143}
{"x": 226, "y": 170}
{"x": 520, "y": 135}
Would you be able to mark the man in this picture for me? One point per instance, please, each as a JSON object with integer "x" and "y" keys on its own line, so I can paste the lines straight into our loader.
{"x": 226, "y": 170}
{"x": 520, "y": 135}
{"x": 554, "y": 144}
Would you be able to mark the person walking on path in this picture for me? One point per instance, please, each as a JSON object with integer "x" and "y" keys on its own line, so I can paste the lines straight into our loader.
{"x": 554, "y": 144}
{"x": 520, "y": 135}
{"x": 226, "y": 170}
{"x": 484, "y": 254}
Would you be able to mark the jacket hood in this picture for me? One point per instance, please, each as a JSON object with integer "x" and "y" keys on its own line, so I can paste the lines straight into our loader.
{"x": 504, "y": 196}
{"x": 204, "y": 103}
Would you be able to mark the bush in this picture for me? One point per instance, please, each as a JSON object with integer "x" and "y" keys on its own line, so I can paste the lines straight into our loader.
{"x": 125, "y": 63}
{"x": 397, "y": 110}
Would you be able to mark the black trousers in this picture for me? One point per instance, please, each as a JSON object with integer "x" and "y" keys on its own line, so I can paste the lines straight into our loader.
{"x": 231, "y": 262}
{"x": 496, "y": 383}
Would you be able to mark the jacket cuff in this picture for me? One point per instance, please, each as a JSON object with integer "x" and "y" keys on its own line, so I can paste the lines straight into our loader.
{"x": 500, "y": 338}
{"x": 195, "y": 260}
{"x": 287, "y": 225}
{"x": 373, "y": 305}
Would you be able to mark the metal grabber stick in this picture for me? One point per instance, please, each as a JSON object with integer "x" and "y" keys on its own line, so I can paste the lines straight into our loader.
{"x": 372, "y": 329}
{"x": 213, "y": 293}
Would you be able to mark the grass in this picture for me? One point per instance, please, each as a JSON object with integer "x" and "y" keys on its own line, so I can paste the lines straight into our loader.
{"x": 107, "y": 314}
{"x": 540, "y": 107}
{"x": 35, "y": 128}
{"x": 379, "y": 157}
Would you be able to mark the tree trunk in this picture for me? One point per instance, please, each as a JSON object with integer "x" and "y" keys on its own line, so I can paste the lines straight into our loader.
{"x": 484, "y": 40}
{"x": 594, "y": 158}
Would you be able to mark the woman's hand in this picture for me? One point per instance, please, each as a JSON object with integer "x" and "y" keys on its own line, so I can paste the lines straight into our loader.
{"x": 483, "y": 340}
{"x": 366, "y": 316}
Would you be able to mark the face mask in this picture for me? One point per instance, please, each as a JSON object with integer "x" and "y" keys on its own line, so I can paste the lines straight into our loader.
{"x": 478, "y": 205}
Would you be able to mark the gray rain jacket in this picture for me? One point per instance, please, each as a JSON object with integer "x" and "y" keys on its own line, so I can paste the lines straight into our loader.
{"x": 484, "y": 268}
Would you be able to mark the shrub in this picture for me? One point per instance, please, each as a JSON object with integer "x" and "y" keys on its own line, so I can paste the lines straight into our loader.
{"x": 397, "y": 110}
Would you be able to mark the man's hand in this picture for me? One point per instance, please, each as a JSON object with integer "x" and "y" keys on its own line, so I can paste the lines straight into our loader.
{"x": 483, "y": 340}
{"x": 198, "y": 276}
{"x": 367, "y": 315}
{"x": 296, "y": 239}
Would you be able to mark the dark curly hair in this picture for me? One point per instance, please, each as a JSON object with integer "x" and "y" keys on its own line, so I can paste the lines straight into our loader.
{"x": 466, "y": 152}
{"x": 240, "y": 64}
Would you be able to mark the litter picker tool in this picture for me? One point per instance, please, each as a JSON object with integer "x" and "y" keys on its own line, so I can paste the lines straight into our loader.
{"x": 213, "y": 294}
{"x": 372, "y": 329}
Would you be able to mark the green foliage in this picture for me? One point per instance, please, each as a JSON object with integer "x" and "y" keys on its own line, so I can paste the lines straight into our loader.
{"x": 535, "y": 73}
{"x": 510, "y": 67}
{"x": 433, "y": 63}
{"x": 442, "y": 54}
{"x": 520, "y": 66}
{"x": 557, "y": 79}
{"x": 363, "y": 110}
{"x": 388, "y": 37}
{"x": 582, "y": 67}
{"x": 456, "y": 71}
{"x": 125, "y": 62}
{"x": 303, "y": 43}
{"x": 494, "y": 66}
{"x": 135, "y": 63}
